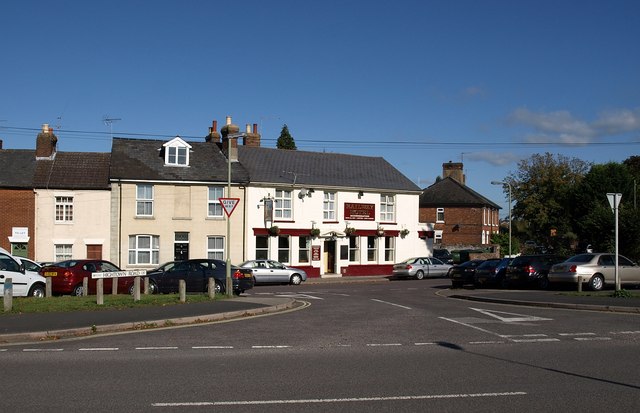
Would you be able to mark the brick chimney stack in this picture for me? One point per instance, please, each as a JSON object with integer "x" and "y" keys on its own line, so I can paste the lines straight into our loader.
{"x": 46, "y": 143}
{"x": 454, "y": 170}
{"x": 230, "y": 146}
{"x": 213, "y": 135}
{"x": 252, "y": 137}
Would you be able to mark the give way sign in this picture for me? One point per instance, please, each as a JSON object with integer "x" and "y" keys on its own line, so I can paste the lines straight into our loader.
{"x": 229, "y": 204}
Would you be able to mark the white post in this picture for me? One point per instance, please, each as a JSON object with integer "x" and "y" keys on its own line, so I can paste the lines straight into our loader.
{"x": 614, "y": 202}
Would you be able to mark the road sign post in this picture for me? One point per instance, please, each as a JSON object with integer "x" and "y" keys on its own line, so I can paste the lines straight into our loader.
{"x": 229, "y": 204}
{"x": 614, "y": 201}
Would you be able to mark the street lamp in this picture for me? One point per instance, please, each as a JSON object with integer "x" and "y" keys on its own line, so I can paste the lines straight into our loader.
{"x": 503, "y": 183}
{"x": 228, "y": 249}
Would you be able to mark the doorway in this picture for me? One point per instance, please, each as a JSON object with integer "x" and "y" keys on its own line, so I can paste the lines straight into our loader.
{"x": 330, "y": 257}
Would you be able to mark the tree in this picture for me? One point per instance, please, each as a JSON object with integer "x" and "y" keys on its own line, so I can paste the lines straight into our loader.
{"x": 543, "y": 189}
{"x": 285, "y": 141}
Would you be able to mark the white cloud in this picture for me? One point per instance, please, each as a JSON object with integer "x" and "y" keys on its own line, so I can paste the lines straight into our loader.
{"x": 494, "y": 158}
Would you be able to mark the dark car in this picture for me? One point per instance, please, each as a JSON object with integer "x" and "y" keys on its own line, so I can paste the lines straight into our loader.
{"x": 463, "y": 273}
{"x": 531, "y": 270}
{"x": 491, "y": 272}
{"x": 443, "y": 255}
{"x": 67, "y": 276}
{"x": 196, "y": 274}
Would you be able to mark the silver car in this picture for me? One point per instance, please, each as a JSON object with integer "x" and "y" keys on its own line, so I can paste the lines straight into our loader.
{"x": 420, "y": 267}
{"x": 268, "y": 271}
{"x": 595, "y": 269}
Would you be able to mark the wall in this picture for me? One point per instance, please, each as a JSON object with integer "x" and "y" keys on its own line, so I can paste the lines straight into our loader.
{"x": 17, "y": 209}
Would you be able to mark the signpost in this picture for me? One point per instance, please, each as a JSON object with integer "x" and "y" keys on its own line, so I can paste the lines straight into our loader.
{"x": 229, "y": 204}
{"x": 100, "y": 276}
{"x": 614, "y": 201}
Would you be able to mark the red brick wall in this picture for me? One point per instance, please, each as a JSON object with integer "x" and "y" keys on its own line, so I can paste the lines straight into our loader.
{"x": 462, "y": 225}
{"x": 17, "y": 209}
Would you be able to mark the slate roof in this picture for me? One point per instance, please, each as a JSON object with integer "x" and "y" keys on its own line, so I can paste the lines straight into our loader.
{"x": 73, "y": 170}
{"x": 143, "y": 159}
{"x": 16, "y": 168}
{"x": 449, "y": 192}
{"x": 279, "y": 166}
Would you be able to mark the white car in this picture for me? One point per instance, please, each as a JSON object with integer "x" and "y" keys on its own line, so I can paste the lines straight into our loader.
{"x": 25, "y": 283}
{"x": 268, "y": 271}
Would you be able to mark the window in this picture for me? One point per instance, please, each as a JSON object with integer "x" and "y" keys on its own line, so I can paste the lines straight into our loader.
{"x": 354, "y": 249}
{"x": 329, "y": 206}
{"x": 176, "y": 152}
{"x": 64, "y": 209}
{"x": 372, "y": 248}
{"x": 389, "y": 248}
{"x": 262, "y": 247}
{"x": 283, "y": 204}
{"x": 63, "y": 252}
{"x": 304, "y": 244}
{"x": 387, "y": 208}
{"x": 437, "y": 237}
{"x": 144, "y": 200}
{"x": 144, "y": 249}
{"x": 283, "y": 248}
{"x": 215, "y": 248}
{"x": 215, "y": 208}
{"x": 439, "y": 214}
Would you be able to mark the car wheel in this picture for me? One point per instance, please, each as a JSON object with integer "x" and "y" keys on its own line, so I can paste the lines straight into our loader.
{"x": 37, "y": 290}
{"x": 296, "y": 279}
{"x": 596, "y": 282}
{"x": 419, "y": 275}
{"x": 543, "y": 283}
{"x": 219, "y": 288}
{"x": 77, "y": 290}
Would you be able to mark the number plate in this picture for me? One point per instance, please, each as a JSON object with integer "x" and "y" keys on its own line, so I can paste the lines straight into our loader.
{"x": 50, "y": 273}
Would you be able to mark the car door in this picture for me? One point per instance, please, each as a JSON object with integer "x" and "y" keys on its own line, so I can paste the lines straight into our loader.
{"x": 629, "y": 272}
{"x": 9, "y": 268}
{"x": 607, "y": 266}
{"x": 260, "y": 271}
{"x": 277, "y": 272}
{"x": 170, "y": 279}
{"x": 197, "y": 275}
{"x": 436, "y": 268}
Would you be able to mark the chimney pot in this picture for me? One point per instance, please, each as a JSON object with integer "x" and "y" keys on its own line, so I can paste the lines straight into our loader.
{"x": 228, "y": 120}
{"x": 255, "y": 128}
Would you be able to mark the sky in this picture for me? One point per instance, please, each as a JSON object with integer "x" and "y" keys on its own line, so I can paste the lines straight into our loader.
{"x": 487, "y": 83}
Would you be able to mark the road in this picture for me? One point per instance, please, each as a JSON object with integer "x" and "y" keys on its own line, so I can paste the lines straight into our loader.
{"x": 394, "y": 347}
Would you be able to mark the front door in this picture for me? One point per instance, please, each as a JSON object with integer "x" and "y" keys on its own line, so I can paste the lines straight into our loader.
{"x": 330, "y": 257}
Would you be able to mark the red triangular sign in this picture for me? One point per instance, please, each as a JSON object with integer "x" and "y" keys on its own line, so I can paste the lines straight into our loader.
{"x": 229, "y": 204}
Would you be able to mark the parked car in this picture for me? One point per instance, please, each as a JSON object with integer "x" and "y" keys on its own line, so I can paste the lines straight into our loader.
{"x": 196, "y": 274}
{"x": 596, "y": 270}
{"x": 443, "y": 255}
{"x": 67, "y": 276}
{"x": 491, "y": 272}
{"x": 531, "y": 270}
{"x": 25, "y": 283}
{"x": 30, "y": 265}
{"x": 420, "y": 267}
{"x": 461, "y": 274}
{"x": 268, "y": 271}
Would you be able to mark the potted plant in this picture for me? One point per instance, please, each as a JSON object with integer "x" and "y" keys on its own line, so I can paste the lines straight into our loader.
{"x": 314, "y": 232}
{"x": 274, "y": 231}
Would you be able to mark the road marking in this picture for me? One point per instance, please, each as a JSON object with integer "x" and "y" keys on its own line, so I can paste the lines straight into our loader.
{"x": 99, "y": 349}
{"x": 261, "y": 347}
{"x": 42, "y": 349}
{"x": 523, "y": 335}
{"x": 518, "y": 318}
{"x": 3, "y": 349}
{"x": 396, "y": 305}
{"x": 592, "y": 338}
{"x": 156, "y": 348}
{"x": 211, "y": 347}
{"x": 471, "y": 326}
{"x": 625, "y": 332}
{"x": 424, "y": 344}
{"x": 340, "y": 400}
{"x": 576, "y": 334}
{"x": 535, "y": 340}
{"x": 486, "y": 342}
{"x": 383, "y": 344}
{"x": 296, "y": 295}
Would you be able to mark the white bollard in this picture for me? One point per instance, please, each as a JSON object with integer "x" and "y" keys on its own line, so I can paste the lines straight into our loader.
{"x": 100, "y": 291}
{"x": 182, "y": 287}
{"x": 212, "y": 288}
{"x": 136, "y": 289}
{"x": 85, "y": 286}
{"x": 8, "y": 294}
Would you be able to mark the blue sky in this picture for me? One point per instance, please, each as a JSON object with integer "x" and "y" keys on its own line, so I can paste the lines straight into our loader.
{"x": 419, "y": 83}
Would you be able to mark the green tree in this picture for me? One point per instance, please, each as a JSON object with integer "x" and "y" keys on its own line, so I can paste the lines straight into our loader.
{"x": 285, "y": 141}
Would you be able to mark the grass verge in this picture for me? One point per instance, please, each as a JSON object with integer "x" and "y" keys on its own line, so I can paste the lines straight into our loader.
{"x": 615, "y": 294}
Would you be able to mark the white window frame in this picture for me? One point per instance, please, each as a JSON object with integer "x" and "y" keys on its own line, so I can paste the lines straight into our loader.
{"x": 372, "y": 251}
{"x": 62, "y": 252}
{"x": 176, "y": 152}
{"x": 439, "y": 215}
{"x": 304, "y": 249}
{"x": 215, "y": 251}
{"x": 214, "y": 204}
{"x": 137, "y": 252}
{"x": 389, "y": 249}
{"x": 283, "y": 205}
{"x": 262, "y": 252}
{"x": 144, "y": 200}
{"x": 64, "y": 209}
{"x": 387, "y": 208}
{"x": 284, "y": 251}
{"x": 329, "y": 206}
{"x": 437, "y": 237}
{"x": 354, "y": 248}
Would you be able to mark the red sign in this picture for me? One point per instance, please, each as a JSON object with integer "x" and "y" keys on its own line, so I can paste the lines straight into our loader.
{"x": 315, "y": 253}
{"x": 359, "y": 212}
{"x": 229, "y": 204}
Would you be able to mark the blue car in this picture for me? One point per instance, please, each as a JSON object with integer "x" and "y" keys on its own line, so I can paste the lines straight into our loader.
{"x": 491, "y": 272}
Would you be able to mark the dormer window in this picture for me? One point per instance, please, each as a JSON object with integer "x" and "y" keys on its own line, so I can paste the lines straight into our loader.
{"x": 176, "y": 152}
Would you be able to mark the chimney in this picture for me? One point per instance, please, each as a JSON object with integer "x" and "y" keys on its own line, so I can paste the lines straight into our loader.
{"x": 230, "y": 146}
{"x": 213, "y": 135}
{"x": 46, "y": 143}
{"x": 453, "y": 170}
{"x": 0, "y": 144}
{"x": 252, "y": 137}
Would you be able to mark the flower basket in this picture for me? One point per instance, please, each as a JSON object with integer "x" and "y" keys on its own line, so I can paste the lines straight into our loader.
{"x": 314, "y": 232}
{"x": 380, "y": 232}
{"x": 349, "y": 231}
{"x": 274, "y": 231}
{"x": 404, "y": 233}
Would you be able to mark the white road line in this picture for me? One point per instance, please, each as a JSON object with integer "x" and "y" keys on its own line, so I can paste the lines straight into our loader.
{"x": 3, "y": 349}
{"x": 156, "y": 348}
{"x": 396, "y": 305}
{"x": 211, "y": 347}
{"x": 424, "y": 344}
{"x": 536, "y": 340}
{"x": 523, "y": 335}
{"x": 472, "y": 326}
{"x": 592, "y": 338}
{"x": 42, "y": 349}
{"x": 625, "y": 332}
{"x": 383, "y": 344}
{"x": 519, "y": 317}
{"x": 486, "y": 342}
{"x": 99, "y": 349}
{"x": 342, "y": 400}
{"x": 261, "y": 347}
{"x": 576, "y": 334}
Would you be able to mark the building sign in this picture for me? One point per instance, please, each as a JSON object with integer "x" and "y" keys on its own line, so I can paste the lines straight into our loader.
{"x": 20, "y": 232}
{"x": 268, "y": 212}
{"x": 315, "y": 253}
{"x": 359, "y": 212}
{"x": 114, "y": 274}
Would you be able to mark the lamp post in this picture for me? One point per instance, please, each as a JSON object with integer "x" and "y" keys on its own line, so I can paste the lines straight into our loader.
{"x": 503, "y": 183}
{"x": 229, "y": 283}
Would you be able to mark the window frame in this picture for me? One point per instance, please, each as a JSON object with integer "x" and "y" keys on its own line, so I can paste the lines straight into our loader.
{"x": 283, "y": 205}
{"x": 354, "y": 248}
{"x": 329, "y": 206}
{"x": 135, "y": 250}
{"x": 63, "y": 210}
{"x": 389, "y": 249}
{"x": 144, "y": 201}
{"x": 440, "y": 215}
{"x": 284, "y": 251}
{"x": 215, "y": 202}
{"x": 387, "y": 208}
{"x": 304, "y": 250}
{"x": 216, "y": 252}
{"x": 262, "y": 251}
{"x": 62, "y": 252}
{"x": 372, "y": 250}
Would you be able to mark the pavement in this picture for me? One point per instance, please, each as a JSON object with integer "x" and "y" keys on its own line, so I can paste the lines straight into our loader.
{"x": 43, "y": 327}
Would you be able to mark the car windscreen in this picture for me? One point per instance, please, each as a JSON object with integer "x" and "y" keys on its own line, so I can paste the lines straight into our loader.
{"x": 581, "y": 258}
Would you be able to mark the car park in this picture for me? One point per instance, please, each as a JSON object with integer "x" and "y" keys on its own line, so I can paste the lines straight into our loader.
{"x": 530, "y": 270}
{"x": 25, "y": 283}
{"x": 67, "y": 276}
{"x": 268, "y": 271}
{"x": 196, "y": 274}
{"x": 420, "y": 267}
{"x": 462, "y": 274}
{"x": 596, "y": 269}
{"x": 491, "y": 272}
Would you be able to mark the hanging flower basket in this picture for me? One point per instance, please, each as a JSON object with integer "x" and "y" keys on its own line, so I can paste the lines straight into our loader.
{"x": 404, "y": 233}
{"x": 314, "y": 232}
{"x": 348, "y": 231}
{"x": 380, "y": 232}
{"x": 274, "y": 231}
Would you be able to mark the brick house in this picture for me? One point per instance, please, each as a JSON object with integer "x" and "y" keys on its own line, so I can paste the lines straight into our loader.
{"x": 461, "y": 217}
